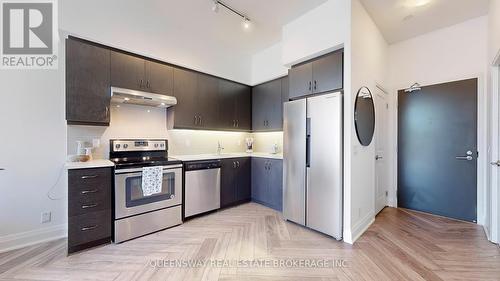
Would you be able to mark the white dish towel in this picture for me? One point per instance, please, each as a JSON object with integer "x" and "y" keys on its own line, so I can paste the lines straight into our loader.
{"x": 152, "y": 178}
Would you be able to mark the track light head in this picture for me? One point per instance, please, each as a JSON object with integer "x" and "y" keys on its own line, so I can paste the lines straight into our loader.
{"x": 246, "y": 23}
{"x": 215, "y": 7}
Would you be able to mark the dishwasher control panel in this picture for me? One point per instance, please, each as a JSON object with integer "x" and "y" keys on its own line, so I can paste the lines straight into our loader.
{"x": 202, "y": 165}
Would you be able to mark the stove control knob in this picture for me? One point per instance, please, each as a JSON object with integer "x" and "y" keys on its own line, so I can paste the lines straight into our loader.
{"x": 156, "y": 145}
{"x": 125, "y": 146}
{"x": 162, "y": 145}
{"x": 117, "y": 146}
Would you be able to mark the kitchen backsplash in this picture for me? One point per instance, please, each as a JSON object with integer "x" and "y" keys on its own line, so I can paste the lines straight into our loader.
{"x": 131, "y": 121}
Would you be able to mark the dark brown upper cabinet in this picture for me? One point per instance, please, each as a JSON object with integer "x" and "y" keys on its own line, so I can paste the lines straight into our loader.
{"x": 235, "y": 103}
{"x": 207, "y": 105}
{"x": 320, "y": 75}
{"x": 184, "y": 114}
{"x": 160, "y": 78}
{"x": 135, "y": 73}
{"x": 267, "y": 106}
{"x": 87, "y": 83}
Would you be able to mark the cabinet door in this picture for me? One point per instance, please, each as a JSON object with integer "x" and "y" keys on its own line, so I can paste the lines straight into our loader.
{"x": 228, "y": 178}
{"x": 328, "y": 73}
{"x": 259, "y": 110}
{"x": 259, "y": 180}
{"x": 127, "y": 71}
{"x": 227, "y": 105}
{"x": 276, "y": 184}
{"x": 160, "y": 78}
{"x": 185, "y": 90}
{"x": 207, "y": 101}
{"x": 87, "y": 83}
{"x": 274, "y": 106}
{"x": 243, "y": 182}
{"x": 300, "y": 80}
{"x": 243, "y": 107}
{"x": 285, "y": 89}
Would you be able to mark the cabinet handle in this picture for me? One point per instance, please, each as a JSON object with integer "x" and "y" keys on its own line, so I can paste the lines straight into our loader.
{"x": 148, "y": 85}
{"x": 89, "y": 191}
{"x": 87, "y": 228}
{"x": 238, "y": 164}
{"x": 89, "y": 177}
{"x": 107, "y": 112}
{"x": 89, "y": 206}
{"x": 201, "y": 120}
{"x": 310, "y": 85}
{"x": 315, "y": 85}
{"x": 234, "y": 165}
{"x": 141, "y": 83}
{"x": 196, "y": 120}
{"x": 237, "y": 123}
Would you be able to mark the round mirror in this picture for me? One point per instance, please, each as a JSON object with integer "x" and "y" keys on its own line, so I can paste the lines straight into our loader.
{"x": 364, "y": 116}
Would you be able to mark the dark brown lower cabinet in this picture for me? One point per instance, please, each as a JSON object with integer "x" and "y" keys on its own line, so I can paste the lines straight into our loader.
{"x": 89, "y": 208}
{"x": 267, "y": 182}
{"x": 235, "y": 181}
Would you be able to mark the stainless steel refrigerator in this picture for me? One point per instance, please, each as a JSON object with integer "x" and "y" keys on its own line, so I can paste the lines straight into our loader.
{"x": 312, "y": 159}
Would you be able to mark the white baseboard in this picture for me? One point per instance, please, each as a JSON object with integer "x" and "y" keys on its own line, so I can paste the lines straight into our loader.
{"x": 28, "y": 238}
{"x": 359, "y": 228}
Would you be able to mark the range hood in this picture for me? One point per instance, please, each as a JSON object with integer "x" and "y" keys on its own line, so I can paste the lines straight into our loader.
{"x": 127, "y": 96}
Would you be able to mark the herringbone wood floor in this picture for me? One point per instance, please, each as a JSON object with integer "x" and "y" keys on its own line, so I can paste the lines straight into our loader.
{"x": 400, "y": 245}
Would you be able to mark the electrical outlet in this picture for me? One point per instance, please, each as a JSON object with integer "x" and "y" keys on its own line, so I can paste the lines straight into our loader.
{"x": 46, "y": 217}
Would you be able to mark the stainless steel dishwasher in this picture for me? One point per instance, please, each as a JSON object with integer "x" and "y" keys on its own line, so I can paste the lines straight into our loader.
{"x": 202, "y": 187}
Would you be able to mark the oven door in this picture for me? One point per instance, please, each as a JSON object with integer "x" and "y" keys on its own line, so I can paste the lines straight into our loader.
{"x": 129, "y": 197}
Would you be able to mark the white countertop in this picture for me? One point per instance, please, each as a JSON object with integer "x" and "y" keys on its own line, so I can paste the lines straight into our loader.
{"x": 97, "y": 163}
{"x": 226, "y": 155}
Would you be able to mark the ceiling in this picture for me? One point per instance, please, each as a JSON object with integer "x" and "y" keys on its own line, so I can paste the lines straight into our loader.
{"x": 267, "y": 18}
{"x": 399, "y": 20}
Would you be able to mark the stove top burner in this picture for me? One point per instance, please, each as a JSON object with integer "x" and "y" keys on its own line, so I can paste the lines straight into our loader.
{"x": 140, "y": 153}
{"x": 127, "y": 162}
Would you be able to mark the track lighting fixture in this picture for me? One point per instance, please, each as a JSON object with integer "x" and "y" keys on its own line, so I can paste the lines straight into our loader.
{"x": 217, "y": 4}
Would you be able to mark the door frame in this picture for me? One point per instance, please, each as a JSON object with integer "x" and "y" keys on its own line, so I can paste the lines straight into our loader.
{"x": 388, "y": 164}
{"x": 482, "y": 140}
{"x": 494, "y": 181}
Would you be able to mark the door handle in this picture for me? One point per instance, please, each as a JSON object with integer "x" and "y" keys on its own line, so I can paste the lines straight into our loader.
{"x": 87, "y": 228}
{"x": 378, "y": 157}
{"x": 468, "y": 158}
{"x": 492, "y": 163}
{"x": 90, "y": 206}
{"x": 89, "y": 191}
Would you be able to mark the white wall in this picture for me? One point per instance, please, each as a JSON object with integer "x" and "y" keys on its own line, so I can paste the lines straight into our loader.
{"x": 267, "y": 65}
{"x": 369, "y": 55}
{"x": 33, "y": 152}
{"x": 449, "y": 54}
{"x": 321, "y": 30}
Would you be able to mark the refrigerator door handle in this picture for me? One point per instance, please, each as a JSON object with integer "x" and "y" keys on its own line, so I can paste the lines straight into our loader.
{"x": 308, "y": 142}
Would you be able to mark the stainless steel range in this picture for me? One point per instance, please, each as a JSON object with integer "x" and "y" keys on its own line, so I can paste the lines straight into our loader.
{"x": 138, "y": 212}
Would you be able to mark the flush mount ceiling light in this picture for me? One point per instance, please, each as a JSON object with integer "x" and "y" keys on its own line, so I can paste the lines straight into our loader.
{"x": 246, "y": 23}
